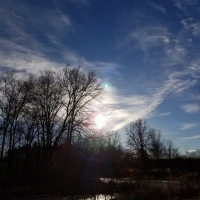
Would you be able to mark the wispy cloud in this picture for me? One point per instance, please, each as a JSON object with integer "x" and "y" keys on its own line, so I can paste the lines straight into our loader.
{"x": 191, "y": 108}
{"x": 173, "y": 57}
{"x": 186, "y": 126}
{"x": 179, "y": 4}
{"x": 191, "y": 26}
{"x": 150, "y": 37}
{"x": 22, "y": 48}
{"x": 98, "y": 66}
{"x": 191, "y": 138}
{"x": 158, "y": 7}
{"x": 130, "y": 108}
{"x": 19, "y": 21}
{"x": 165, "y": 114}
{"x": 182, "y": 4}
{"x": 174, "y": 81}
{"x": 191, "y": 151}
{"x": 21, "y": 45}
{"x": 20, "y": 58}
{"x": 84, "y": 2}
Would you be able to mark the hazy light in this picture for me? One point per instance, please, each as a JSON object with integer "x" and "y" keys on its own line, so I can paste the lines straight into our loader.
{"x": 100, "y": 121}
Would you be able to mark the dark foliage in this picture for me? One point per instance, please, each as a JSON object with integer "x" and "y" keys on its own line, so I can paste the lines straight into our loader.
{"x": 49, "y": 145}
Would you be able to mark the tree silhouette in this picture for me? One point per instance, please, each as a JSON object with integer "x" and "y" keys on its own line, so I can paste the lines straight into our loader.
{"x": 45, "y": 109}
{"x": 138, "y": 135}
{"x": 13, "y": 97}
{"x": 156, "y": 147}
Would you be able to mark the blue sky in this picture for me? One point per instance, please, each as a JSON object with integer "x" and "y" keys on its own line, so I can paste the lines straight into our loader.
{"x": 147, "y": 52}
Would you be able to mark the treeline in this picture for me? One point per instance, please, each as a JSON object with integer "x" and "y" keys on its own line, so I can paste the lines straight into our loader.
{"x": 47, "y": 133}
{"x": 42, "y": 111}
{"x": 152, "y": 154}
{"x": 148, "y": 143}
{"x": 49, "y": 143}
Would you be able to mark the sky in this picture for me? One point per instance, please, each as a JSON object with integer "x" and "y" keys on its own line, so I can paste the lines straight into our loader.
{"x": 145, "y": 53}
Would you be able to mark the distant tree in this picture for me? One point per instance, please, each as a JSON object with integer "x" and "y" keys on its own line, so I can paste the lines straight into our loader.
{"x": 114, "y": 154}
{"x": 171, "y": 151}
{"x": 138, "y": 135}
{"x": 156, "y": 147}
{"x": 113, "y": 140}
{"x": 192, "y": 154}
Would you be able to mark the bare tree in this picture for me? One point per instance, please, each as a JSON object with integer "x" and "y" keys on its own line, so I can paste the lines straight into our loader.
{"x": 45, "y": 110}
{"x": 194, "y": 154}
{"x": 45, "y": 107}
{"x": 80, "y": 91}
{"x": 138, "y": 135}
{"x": 13, "y": 97}
{"x": 156, "y": 146}
{"x": 60, "y": 104}
{"x": 170, "y": 150}
{"x": 113, "y": 140}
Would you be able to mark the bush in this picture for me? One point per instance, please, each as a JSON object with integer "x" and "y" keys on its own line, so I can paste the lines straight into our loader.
{"x": 189, "y": 185}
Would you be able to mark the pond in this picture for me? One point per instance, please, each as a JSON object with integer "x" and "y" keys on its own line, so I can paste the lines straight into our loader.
{"x": 161, "y": 183}
{"x": 157, "y": 183}
{"x": 74, "y": 197}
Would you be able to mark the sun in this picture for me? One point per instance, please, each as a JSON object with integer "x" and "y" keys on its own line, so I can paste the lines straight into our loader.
{"x": 100, "y": 121}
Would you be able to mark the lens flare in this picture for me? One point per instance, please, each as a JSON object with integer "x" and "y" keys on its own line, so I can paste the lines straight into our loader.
{"x": 106, "y": 86}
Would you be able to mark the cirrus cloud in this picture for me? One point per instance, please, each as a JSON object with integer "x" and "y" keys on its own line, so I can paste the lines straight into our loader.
{"x": 186, "y": 126}
{"x": 191, "y": 108}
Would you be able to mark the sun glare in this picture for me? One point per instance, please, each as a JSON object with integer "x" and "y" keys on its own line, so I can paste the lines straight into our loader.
{"x": 100, "y": 121}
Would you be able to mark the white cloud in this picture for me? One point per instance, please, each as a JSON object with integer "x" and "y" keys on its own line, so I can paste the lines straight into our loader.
{"x": 21, "y": 49}
{"x": 99, "y": 66}
{"x": 19, "y": 21}
{"x": 191, "y": 108}
{"x": 191, "y": 26}
{"x": 179, "y": 67}
{"x": 175, "y": 56}
{"x": 166, "y": 39}
{"x": 25, "y": 52}
{"x": 183, "y": 4}
{"x": 181, "y": 50}
{"x": 191, "y": 138}
{"x": 21, "y": 58}
{"x": 165, "y": 114}
{"x": 186, "y": 126}
{"x": 130, "y": 108}
{"x": 190, "y": 151}
{"x": 179, "y": 4}
{"x": 150, "y": 37}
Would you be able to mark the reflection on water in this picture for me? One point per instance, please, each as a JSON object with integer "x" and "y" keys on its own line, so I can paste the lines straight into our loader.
{"x": 117, "y": 180}
{"x": 158, "y": 183}
{"x": 98, "y": 197}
